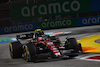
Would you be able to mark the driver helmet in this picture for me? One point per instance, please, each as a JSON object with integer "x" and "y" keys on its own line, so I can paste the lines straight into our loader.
{"x": 39, "y": 32}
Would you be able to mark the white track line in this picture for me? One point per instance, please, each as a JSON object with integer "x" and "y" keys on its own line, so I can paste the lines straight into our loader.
{"x": 84, "y": 57}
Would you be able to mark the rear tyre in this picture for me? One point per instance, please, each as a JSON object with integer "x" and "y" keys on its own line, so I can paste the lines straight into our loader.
{"x": 30, "y": 52}
{"x": 15, "y": 50}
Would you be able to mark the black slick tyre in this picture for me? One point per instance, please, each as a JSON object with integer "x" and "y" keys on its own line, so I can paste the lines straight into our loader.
{"x": 15, "y": 50}
{"x": 80, "y": 47}
{"x": 73, "y": 45}
{"x": 30, "y": 52}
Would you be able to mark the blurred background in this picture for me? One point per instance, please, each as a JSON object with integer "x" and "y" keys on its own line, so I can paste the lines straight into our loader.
{"x": 6, "y": 15}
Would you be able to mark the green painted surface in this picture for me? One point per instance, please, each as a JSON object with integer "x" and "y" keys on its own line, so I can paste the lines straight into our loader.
{"x": 57, "y": 24}
{"x": 50, "y": 8}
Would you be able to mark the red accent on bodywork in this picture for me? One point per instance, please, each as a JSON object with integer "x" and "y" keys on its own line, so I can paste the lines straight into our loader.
{"x": 53, "y": 47}
{"x": 61, "y": 46}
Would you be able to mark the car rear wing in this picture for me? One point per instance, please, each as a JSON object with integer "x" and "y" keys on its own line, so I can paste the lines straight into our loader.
{"x": 24, "y": 36}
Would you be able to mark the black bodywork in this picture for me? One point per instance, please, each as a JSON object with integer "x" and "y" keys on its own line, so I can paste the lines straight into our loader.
{"x": 50, "y": 47}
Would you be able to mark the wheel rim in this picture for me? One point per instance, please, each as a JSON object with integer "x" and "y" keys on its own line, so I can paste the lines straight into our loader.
{"x": 11, "y": 50}
{"x": 26, "y": 54}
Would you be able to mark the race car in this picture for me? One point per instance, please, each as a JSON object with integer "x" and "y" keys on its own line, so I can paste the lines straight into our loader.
{"x": 41, "y": 46}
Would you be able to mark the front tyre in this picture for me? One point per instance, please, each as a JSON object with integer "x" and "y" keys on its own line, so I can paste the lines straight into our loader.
{"x": 80, "y": 47}
{"x": 30, "y": 52}
{"x": 73, "y": 44}
{"x": 27, "y": 56}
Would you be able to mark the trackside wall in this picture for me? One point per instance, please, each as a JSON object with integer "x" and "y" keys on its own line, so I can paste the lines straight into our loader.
{"x": 51, "y": 8}
{"x": 69, "y": 22}
{"x": 64, "y": 23}
{"x": 18, "y": 28}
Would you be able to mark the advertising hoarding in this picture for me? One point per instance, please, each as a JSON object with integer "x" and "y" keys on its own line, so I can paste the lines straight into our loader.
{"x": 18, "y": 28}
{"x": 95, "y": 5}
{"x": 50, "y": 9}
{"x": 57, "y": 24}
{"x": 88, "y": 21}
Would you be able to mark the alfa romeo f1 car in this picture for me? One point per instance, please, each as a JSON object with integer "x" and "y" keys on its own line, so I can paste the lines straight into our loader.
{"x": 43, "y": 46}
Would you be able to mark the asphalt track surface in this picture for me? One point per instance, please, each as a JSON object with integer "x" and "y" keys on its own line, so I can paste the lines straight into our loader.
{"x": 77, "y": 32}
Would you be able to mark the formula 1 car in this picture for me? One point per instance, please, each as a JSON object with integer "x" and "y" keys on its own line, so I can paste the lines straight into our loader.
{"x": 43, "y": 46}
